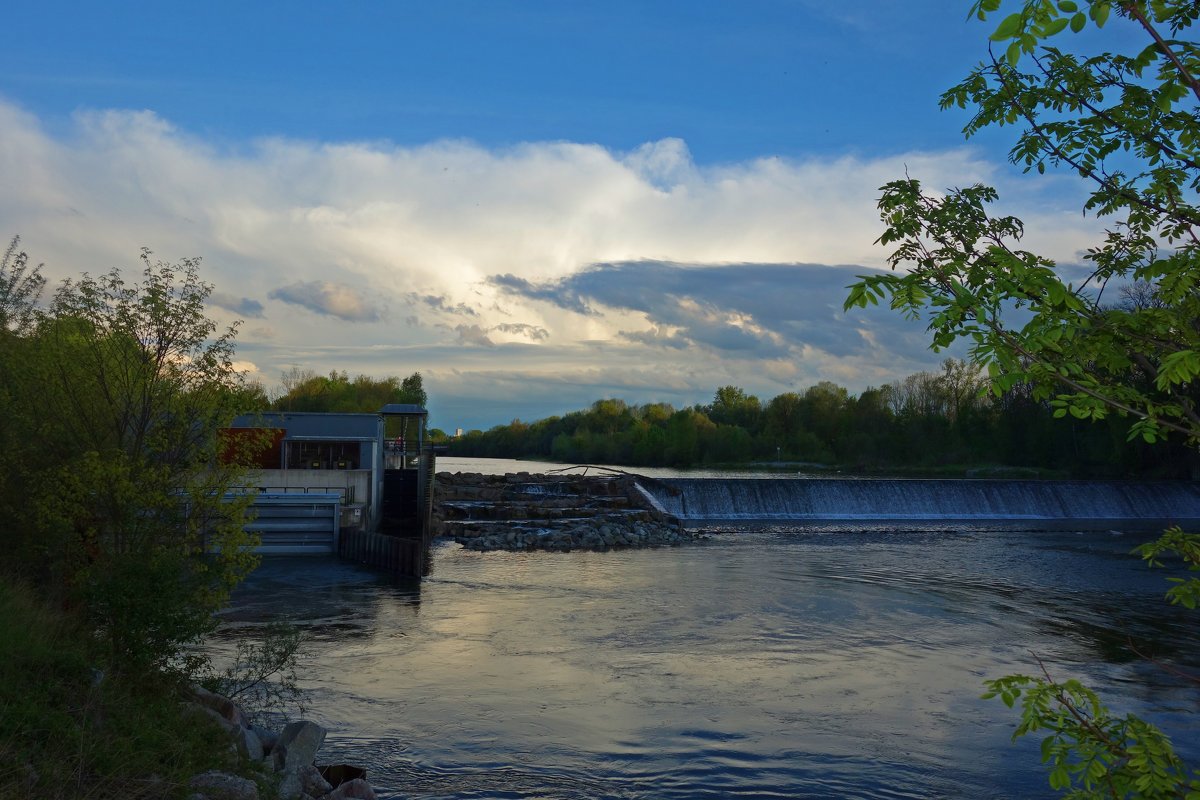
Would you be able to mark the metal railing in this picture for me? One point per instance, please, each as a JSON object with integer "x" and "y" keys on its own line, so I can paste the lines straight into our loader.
{"x": 346, "y": 493}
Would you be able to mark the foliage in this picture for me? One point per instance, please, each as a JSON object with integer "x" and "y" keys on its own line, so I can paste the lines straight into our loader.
{"x": 113, "y": 497}
{"x": 929, "y": 421}
{"x": 304, "y": 390}
{"x": 1186, "y": 591}
{"x": 69, "y": 730}
{"x": 1128, "y": 125}
{"x": 20, "y": 288}
{"x": 1091, "y": 752}
{"x": 262, "y": 678}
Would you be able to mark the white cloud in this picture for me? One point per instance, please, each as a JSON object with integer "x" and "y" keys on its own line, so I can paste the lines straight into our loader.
{"x": 331, "y": 299}
{"x": 405, "y": 242}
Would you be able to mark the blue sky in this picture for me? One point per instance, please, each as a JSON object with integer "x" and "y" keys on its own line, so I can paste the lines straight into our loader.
{"x": 535, "y": 204}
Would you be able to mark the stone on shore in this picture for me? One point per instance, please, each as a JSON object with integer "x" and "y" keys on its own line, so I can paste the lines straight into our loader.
{"x": 228, "y": 709}
{"x": 214, "y": 785}
{"x": 298, "y": 745}
{"x": 267, "y": 737}
{"x": 357, "y": 789}
{"x": 248, "y": 744}
{"x": 296, "y": 784}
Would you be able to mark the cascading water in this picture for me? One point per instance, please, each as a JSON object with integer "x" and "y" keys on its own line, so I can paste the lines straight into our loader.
{"x": 1030, "y": 504}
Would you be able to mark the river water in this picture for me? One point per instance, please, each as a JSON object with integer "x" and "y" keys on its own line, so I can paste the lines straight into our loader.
{"x": 763, "y": 662}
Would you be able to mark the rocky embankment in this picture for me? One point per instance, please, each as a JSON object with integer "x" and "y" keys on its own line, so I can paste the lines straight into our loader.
{"x": 287, "y": 759}
{"x": 524, "y": 511}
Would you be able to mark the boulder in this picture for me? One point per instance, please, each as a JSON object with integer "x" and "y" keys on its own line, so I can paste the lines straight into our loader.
{"x": 290, "y": 785}
{"x": 221, "y": 704}
{"x": 297, "y": 784}
{"x": 313, "y": 782}
{"x": 214, "y": 785}
{"x": 248, "y": 744}
{"x": 357, "y": 789}
{"x": 267, "y": 737}
{"x": 298, "y": 745}
{"x": 208, "y": 713}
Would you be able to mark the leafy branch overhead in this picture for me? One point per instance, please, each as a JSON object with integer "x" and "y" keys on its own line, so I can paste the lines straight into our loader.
{"x": 1128, "y": 124}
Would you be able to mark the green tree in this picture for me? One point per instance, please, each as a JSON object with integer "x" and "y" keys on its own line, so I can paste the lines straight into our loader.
{"x": 117, "y": 392}
{"x": 732, "y": 406}
{"x": 413, "y": 391}
{"x": 20, "y": 288}
{"x": 304, "y": 390}
{"x": 1127, "y": 124}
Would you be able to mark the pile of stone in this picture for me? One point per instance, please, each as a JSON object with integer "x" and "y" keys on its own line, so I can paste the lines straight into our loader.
{"x": 524, "y": 511}
{"x": 289, "y": 755}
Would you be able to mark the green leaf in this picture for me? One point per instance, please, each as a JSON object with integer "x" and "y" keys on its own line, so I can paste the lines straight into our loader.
{"x": 1100, "y": 12}
{"x": 1078, "y": 22}
{"x": 1008, "y": 28}
{"x": 1055, "y": 27}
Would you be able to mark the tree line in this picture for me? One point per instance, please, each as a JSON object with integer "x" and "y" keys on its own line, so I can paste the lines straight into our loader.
{"x": 305, "y": 390}
{"x": 944, "y": 420}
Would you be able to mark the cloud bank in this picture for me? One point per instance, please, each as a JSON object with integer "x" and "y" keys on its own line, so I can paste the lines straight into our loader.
{"x": 520, "y": 281}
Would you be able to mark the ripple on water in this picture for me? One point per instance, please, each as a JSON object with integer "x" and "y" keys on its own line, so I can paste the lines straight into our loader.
{"x": 767, "y": 663}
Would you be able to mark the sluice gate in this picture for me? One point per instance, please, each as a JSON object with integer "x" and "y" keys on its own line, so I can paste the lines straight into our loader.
{"x": 296, "y": 523}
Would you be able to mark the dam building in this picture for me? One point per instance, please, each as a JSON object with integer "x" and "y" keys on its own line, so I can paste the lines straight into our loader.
{"x": 358, "y": 485}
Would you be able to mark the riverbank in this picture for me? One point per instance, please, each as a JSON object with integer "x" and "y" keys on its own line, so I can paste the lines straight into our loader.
{"x": 71, "y": 727}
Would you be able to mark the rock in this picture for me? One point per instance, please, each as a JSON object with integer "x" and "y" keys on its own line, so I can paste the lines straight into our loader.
{"x": 290, "y": 785}
{"x": 357, "y": 789}
{"x": 248, "y": 744}
{"x": 214, "y": 785}
{"x": 267, "y": 737}
{"x": 298, "y": 745}
{"x": 305, "y": 782}
{"x": 313, "y": 782}
{"x": 221, "y": 704}
{"x": 208, "y": 713}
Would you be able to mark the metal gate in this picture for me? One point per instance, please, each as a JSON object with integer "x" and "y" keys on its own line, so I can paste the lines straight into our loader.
{"x": 294, "y": 524}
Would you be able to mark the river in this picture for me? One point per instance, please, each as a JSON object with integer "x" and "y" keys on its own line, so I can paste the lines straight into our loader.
{"x": 763, "y": 662}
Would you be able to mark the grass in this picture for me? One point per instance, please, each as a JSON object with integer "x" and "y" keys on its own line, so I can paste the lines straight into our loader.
{"x": 70, "y": 729}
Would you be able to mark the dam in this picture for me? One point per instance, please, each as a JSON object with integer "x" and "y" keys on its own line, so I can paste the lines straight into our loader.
{"x": 924, "y": 503}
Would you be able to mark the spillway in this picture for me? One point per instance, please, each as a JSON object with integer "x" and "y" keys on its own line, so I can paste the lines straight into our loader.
{"x": 1023, "y": 504}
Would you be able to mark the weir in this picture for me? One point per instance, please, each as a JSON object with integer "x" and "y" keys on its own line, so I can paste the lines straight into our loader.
{"x": 912, "y": 503}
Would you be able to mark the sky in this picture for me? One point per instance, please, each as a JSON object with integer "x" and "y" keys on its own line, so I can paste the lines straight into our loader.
{"x": 534, "y": 204}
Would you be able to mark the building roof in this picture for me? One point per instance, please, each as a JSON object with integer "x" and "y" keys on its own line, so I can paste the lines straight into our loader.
{"x": 409, "y": 409}
{"x": 300, "y": 424}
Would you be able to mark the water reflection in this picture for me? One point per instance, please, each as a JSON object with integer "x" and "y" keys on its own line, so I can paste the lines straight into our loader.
{"x": 770, "y": 662}
{"x": 329, "y": 599}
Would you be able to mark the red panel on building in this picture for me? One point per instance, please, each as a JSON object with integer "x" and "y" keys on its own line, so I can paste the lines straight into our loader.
{"x": 252, "y": 447}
